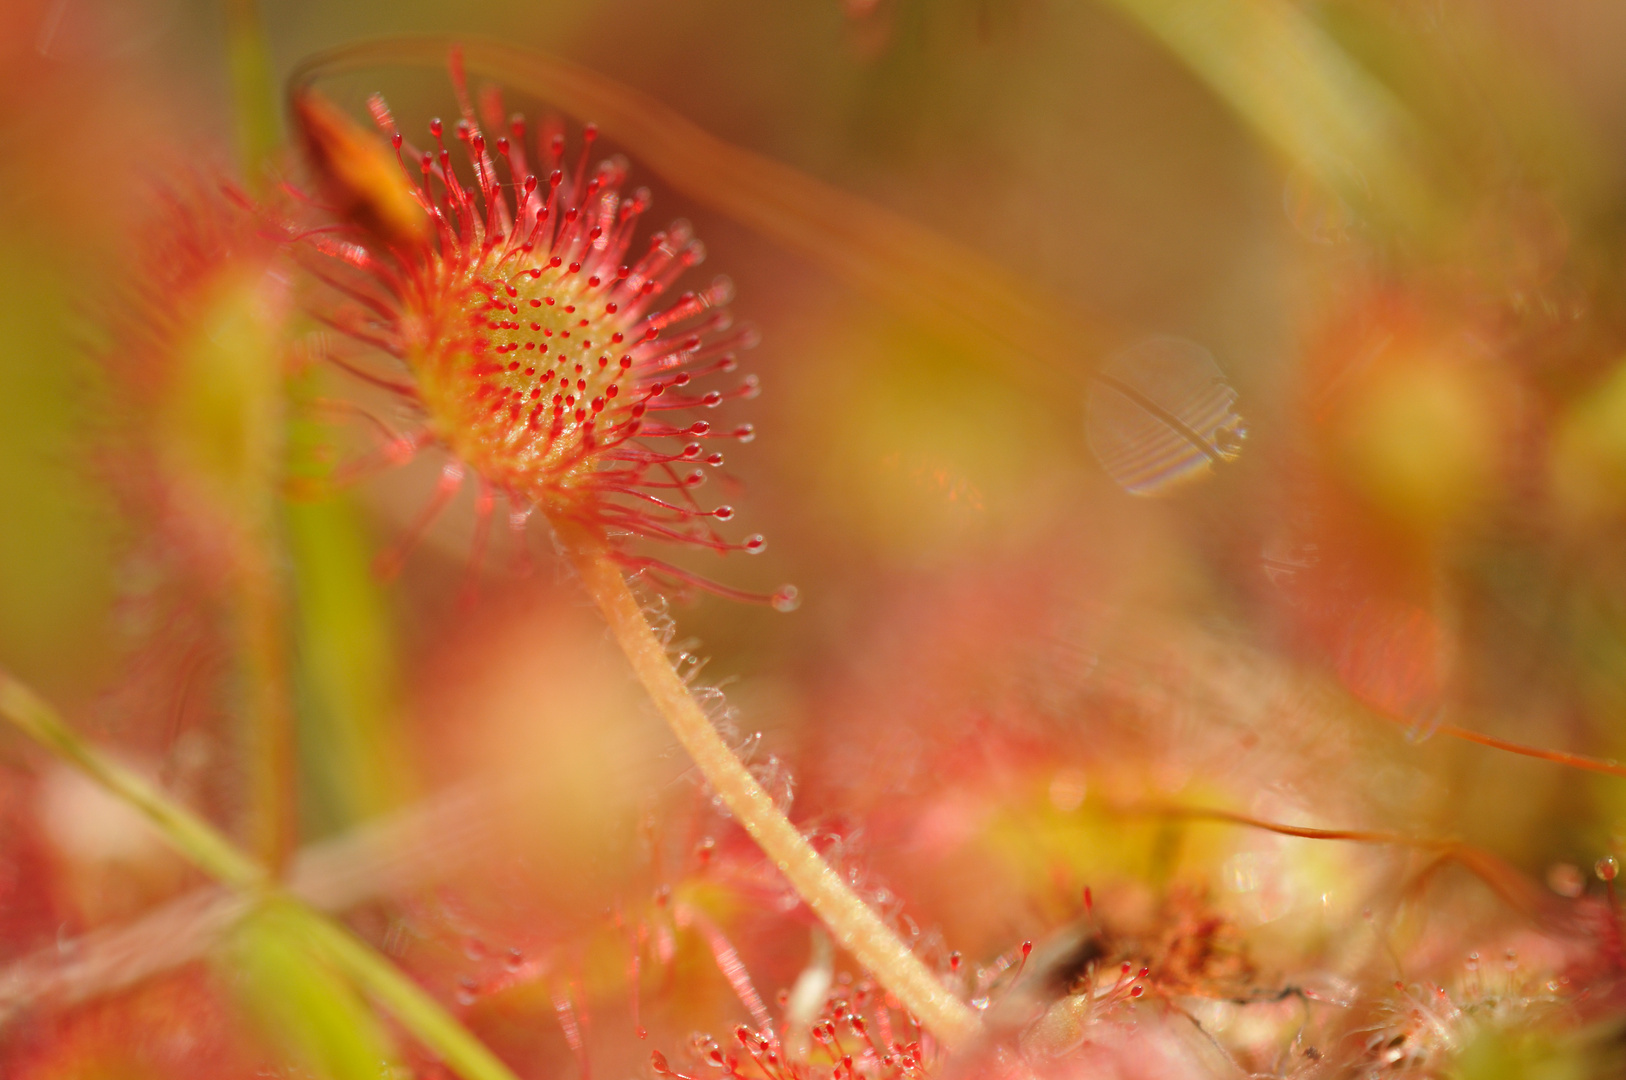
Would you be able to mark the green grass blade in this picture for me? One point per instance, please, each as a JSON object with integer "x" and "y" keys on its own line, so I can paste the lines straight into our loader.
{"x": 1290, "y": 82}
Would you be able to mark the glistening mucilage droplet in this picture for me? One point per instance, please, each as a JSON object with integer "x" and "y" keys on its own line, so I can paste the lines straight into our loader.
{"x": 1160, "y": 414}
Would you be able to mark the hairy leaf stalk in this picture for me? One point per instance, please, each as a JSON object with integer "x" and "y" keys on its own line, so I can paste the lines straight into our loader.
{"x": 854, "y": 924}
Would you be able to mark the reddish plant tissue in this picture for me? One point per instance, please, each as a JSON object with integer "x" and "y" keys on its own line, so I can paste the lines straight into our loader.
{"x": 545, "y": 348}
{"x": 1131, "y": 842}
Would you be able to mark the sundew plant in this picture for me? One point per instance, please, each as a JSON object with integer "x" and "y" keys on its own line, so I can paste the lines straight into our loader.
{"x": 1194, "y": 431}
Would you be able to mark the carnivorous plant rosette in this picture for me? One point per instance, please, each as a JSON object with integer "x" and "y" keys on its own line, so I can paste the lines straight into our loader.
{"x": 542, "y": 355}
{"x": 545, "y": 350}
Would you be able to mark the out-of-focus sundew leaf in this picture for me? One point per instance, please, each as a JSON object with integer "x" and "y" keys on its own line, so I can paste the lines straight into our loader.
{"x": 1511, "y": 1054}
{"x": 883, "y": 255}
{"x": 1420, "y": 434}
{"x": 305, "y": 1008}
{"x": 1304, "y": 95}
{"x": 923, "y": 451}
{"x": 1161, "y": 414}
{"x": 223, "y": 432}
{"x": 1589, "y": 451}
{"x": 1032, "y": 839}
{"x": 350, "y": 753}
{"x": 223, "y": 416}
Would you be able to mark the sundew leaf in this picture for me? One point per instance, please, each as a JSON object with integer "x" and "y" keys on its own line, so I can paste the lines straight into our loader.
{"x": 879, "y": 253}
{"x": 1300, "y": 92}
{"x": 1160, "y": 414}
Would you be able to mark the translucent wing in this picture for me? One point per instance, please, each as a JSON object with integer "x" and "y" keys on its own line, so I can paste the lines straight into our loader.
{"x": 1161, "y": 414}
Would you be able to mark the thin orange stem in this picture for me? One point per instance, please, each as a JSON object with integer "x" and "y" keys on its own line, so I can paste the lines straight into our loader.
{"x": 1503, "y": 879}
{"x": 1608, "y": 767}
{"x": 852, "y": 922}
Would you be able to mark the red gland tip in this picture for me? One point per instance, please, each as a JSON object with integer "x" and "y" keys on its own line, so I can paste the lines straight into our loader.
{"x": 786, "y": 598}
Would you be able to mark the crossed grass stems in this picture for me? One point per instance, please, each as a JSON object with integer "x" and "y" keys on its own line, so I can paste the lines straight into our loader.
{"x": 913, "y": 269}
{"x": 446, "y": 832}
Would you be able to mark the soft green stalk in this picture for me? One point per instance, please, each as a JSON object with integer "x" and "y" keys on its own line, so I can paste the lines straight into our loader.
{"x": 303, "y": 1005}
{"x": 269, "y": 743}
{"x": 405, "y": 1000}
{"x": 253, "y": 87}
{"x": 351, "y": 763}
{"x": 205, "y": 846}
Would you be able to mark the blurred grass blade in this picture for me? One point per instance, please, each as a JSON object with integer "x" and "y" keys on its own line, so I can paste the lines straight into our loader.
{"x": 349, "y": 755}
{"x": 301, "y": 1004}
{"x": 253, "y": 87}
{"x": 881, "y": 254}
{"x": 192, "y": 836}
{"x": 199, "y": 841}
{"x": 1300, "y": 92}
{"x": 404, "y": 999}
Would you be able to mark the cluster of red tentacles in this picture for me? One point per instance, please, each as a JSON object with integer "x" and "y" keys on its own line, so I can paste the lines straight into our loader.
{"x": 858, "y": 1035}
{"x": 544, "y": 354}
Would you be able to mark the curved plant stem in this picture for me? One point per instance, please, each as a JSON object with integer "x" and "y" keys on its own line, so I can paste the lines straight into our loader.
{"x": 1584, "y": 762}
{"x": 852, "y": 922}
{"x": 205, "y": 846}
{"x": 1501, "y": 877}
{"x": 1608, "y": 767}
